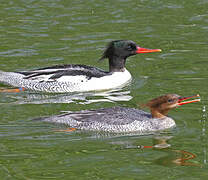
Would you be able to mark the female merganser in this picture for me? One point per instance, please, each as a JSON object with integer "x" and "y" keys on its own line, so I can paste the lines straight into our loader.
{"x": 125, "y": 120}
{"x": 75, "y": 77}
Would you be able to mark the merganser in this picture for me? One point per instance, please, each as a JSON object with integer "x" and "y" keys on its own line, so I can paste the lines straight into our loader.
{"x": 79, "y": 78}
{"x": 125, "y": 120}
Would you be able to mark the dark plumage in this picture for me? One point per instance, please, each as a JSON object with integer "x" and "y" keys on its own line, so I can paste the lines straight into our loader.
{"x": 66, "y": 70}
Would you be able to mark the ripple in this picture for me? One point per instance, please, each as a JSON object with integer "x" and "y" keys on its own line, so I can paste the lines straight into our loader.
{"x": 19, "y": 52}
{"x": 79, "y": 98}
{"x": 185, "y": 72}
{"x": 34, "y": 35}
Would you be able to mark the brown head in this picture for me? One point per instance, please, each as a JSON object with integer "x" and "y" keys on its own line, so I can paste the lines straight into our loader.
{"x": 161, "y": 105}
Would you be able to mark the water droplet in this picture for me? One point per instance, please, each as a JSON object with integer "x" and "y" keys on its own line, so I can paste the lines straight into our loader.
{"x": 204, "y": 109}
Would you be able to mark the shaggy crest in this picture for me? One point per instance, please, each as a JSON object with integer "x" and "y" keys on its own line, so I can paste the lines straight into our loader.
{"x": 156, "y": 102}
{"x": 109, "y": 51}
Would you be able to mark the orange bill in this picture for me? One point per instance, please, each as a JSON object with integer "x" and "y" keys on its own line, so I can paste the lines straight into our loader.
{"x": 181, "y": 100}
{"x": 145, "y": 50}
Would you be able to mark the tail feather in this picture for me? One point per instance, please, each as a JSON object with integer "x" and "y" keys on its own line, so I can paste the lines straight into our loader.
{"x": 2, "y": 76}
{"x": 11, "y": 78}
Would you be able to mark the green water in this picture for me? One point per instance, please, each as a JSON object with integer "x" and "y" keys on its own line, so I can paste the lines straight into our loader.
{"x": 42, "y": 33}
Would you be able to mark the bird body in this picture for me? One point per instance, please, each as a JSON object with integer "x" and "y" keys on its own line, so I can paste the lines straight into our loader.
{"x": 92, "y": 79}
{"x": 115, "y": 120}
{"x": 124, "y": 120}
{"x": 79, "y": 78}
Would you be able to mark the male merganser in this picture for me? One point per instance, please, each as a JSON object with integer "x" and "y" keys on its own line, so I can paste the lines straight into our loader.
{"x": 75, "y": 77}
{"x": 125, "y": 120}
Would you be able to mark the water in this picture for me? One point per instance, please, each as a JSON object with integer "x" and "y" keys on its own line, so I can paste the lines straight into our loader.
{"x": 43, "y": 33}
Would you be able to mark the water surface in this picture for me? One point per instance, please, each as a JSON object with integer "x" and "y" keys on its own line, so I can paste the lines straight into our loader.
{"x": 44, "y": 33}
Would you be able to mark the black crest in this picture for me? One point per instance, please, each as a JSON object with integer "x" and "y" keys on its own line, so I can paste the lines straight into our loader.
{"x": 122, "y": 48}
{"x": 108, "y": 52}
{"x": 110, "y": 48}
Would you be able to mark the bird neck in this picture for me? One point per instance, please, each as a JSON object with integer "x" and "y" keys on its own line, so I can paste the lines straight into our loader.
{"x": 117, "y": 64}
{"x": 158, "y": 113}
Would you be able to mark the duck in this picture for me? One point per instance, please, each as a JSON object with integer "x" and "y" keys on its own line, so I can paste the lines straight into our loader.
{"x": 78, "y": 77}
{"x": 125, "y": 120}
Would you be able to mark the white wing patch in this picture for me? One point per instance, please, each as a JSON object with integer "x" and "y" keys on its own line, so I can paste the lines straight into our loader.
{"x": 73, "y": 79}
{"x": 42, "y": 78}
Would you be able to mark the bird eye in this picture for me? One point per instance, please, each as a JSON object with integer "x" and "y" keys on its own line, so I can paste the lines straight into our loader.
{"x": 131, "y": 47}
{"x": 170, "y": 100}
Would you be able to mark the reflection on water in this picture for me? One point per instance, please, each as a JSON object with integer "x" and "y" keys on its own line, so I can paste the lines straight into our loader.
{"x": 79, "y": 98}
{"x": 177, "y": 157}
{"x": 172, "y": 157}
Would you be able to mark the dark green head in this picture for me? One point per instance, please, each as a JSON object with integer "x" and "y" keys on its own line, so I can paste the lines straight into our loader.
{"x": 120, "y": 48}
{"x": 118, "y": 51}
